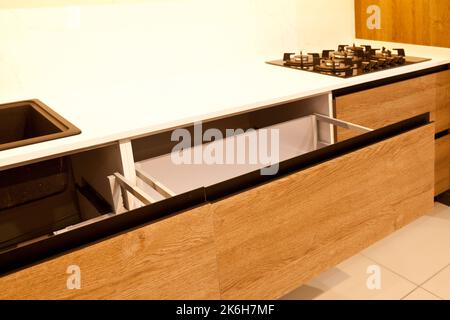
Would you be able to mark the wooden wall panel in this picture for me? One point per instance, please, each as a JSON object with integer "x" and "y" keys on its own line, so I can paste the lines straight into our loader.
{"x": 425, "y": 22}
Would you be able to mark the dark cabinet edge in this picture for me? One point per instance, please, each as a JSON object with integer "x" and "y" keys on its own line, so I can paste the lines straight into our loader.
{"x": 442, "y": 134}
{"x": 389, "y": 80}
{"x": 443, "y": 198}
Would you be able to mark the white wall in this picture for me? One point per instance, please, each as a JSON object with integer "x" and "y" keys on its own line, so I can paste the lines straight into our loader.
{"x": 171, "y": 34}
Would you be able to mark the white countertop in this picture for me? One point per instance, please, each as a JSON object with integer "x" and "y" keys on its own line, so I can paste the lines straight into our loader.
{"x": 110, "y": 103}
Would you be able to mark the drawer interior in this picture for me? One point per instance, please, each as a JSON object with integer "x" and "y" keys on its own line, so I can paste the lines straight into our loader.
{"x": 170, "y": 164}
{"x": 291, "y": 139}
{"x": 41, "y": 199}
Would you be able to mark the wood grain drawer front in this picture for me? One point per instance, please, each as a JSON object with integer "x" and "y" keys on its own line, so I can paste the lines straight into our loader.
{"x": 275, "y": 237}
{"x": 170, "y": 259}
{"x": 381, "y": 106}
{"x": 442, "y": 168}
{"x": 443, "y": 101}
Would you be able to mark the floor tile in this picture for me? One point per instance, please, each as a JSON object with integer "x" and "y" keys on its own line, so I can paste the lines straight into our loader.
{"x": 441, "y": 211}
{"x": 440, "y": 284}
{"x": 419, "y": 250}
{"x": 421, "y": 294}
{"x": 348, "y": 281}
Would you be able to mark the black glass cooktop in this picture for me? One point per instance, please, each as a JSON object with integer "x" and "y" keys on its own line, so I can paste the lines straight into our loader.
{"x": 348, "y": 61}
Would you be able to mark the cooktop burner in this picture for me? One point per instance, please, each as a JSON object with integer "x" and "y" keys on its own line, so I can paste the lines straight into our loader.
{"x": 348, "y": 61}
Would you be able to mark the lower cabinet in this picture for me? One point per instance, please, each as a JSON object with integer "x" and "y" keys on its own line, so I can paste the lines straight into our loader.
{"x": 442, "y": 167}
{"x": 274, "y": 238}
{"x": 170, "y": 259}
{"x": 443, "y": 101}
{"x": 387, "y": 104}
{"x": 252, "y": 237}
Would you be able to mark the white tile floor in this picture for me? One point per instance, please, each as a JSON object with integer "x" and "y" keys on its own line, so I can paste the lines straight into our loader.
{"x": 411, "y": 264}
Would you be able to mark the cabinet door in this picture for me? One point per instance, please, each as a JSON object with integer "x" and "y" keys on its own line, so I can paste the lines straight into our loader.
{"x": 381, "y": 106}
{"x": 442, "y": 168}
{"x": 275, "y": 237}
{"x": 443, "y": 101}
{"x": 170, "y": 259}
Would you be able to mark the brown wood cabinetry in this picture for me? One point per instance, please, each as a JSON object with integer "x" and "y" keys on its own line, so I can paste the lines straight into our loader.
{"x": 442, "y": 101}
{"x": 424, "y": 22}
{"x": 273, "y": 238}
{"x": 257, "y": 244}
{"x": 380, "y": 106}
{"x": 377, "y": 107}
{"x": 442, "y": 169}
{"x": 170, "y": 259}
{"x": 246, "y": 235}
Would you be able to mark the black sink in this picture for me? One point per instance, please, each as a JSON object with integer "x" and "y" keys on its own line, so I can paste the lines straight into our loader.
{"x": 28, "y": 122}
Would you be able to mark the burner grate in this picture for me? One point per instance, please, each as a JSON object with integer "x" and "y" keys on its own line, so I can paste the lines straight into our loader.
{"x": 347, "y": 61}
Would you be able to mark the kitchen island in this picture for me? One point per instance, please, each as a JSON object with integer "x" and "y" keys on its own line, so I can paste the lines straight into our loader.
{"x": 244, "y": 236}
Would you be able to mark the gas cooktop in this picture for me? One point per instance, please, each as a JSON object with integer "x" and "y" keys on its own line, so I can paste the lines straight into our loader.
{"x": 348, "y": 61}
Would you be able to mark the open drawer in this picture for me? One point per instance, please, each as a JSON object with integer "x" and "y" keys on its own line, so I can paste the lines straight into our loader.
{"x": 272, "y": 230}
{"x": 325, "y": 202}
{"x": 42, "y": 199}
{"x": 229, "y": 164}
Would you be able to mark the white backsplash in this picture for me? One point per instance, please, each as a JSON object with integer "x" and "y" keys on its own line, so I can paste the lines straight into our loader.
{"x": 170, "y": 35}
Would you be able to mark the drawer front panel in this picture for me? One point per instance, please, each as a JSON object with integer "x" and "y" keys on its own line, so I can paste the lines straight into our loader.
{"x": 273, "y": 238}
{"x": 170, "y": 259}
{"x": 443, "y": 101}
{"x": 442, "y": 168}
{"x": 381, "y": 106}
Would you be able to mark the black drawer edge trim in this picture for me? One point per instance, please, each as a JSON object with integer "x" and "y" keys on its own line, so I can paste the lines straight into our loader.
{"x": 442, "y": 134}
{"x": 54, "y": 245}
{"x": 253, "y": 179}
{"x": 390, "y": 80}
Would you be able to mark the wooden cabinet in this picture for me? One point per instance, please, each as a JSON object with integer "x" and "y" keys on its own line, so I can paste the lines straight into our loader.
{"x": 384, "y": 105}
{"x": 239, "y": 234}
{"x": 442, "y": 101}
{"x": 442, "y": 167}
{"x": 257, "y": 244}
{"x": 442, "y": 170}
{"x": 424, "y": 22}
{"x": 388, "y": 104}
{"x": 273, "y": 238}
{"x": 170, "y": 259}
